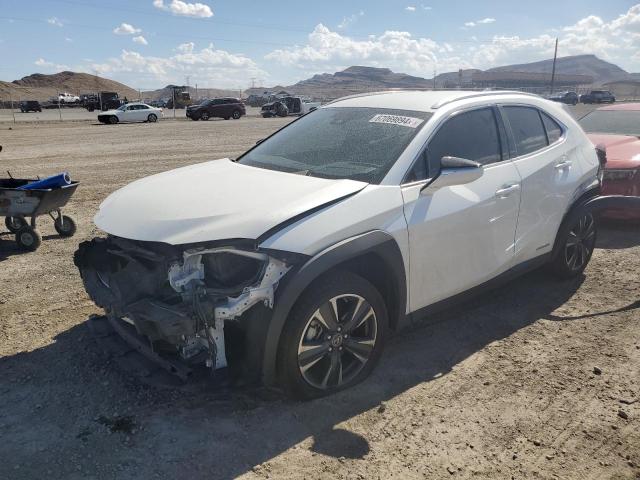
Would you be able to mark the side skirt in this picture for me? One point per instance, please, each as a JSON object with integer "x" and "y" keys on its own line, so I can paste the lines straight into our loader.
{"x": 418, "y": 317}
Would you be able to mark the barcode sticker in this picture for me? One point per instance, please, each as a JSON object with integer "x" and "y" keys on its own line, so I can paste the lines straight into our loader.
{"x": 410, "y": 122}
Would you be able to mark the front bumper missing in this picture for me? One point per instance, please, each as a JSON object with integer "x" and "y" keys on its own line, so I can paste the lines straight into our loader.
{"x": 159, "y": 301}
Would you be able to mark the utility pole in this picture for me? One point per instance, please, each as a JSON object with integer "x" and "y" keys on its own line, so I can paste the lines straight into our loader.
{"x": 434, "y": 76}
{"x": 12, "y": 111}
{"x": 59, "y": 108}
{"x": 196, "y": 97}
{"x": 553, "y": 71}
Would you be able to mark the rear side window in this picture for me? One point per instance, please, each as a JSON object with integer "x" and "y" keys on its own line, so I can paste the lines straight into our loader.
{"x": 554, "y": 131}
{"x": 528, "y": 131}
{"x": 472, "y": 135}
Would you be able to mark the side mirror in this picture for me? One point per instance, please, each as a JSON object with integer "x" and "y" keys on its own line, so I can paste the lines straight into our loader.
{"x": 455, "y": 171}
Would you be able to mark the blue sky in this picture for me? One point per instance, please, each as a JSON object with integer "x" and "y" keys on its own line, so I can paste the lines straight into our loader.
{"x": 222, "y": 43}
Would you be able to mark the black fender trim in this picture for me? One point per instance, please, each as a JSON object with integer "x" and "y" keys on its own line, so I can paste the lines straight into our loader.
{"x": 297, "y": 280}
{"x": 595, "y": 203}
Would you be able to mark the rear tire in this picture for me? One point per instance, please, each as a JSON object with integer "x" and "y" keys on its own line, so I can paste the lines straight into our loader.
{"x": 14, "y": 224}
{"x": 65, "y": 226}
{"x": 575, "y": 244}
{"x": 333, "y": 337}
{"x": 28, "y": 238}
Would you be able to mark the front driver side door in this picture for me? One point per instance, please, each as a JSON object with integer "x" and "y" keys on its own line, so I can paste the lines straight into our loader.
{"x": 463, "y": 235}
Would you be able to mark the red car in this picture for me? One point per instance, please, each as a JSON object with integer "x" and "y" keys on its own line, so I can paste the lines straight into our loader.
{"x": 617, "y": 128}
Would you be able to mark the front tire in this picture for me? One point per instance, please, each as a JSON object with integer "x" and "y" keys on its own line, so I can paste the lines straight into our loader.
{"x": 113, "y": 120}
{"x": 204, "y": 117}
{"x": 65, "y": 226}
{"x": 333, "y": 337}
{"x": 152, "y": 118}
{"x": 577, "y": 240}
{"x": 236, "y": 115}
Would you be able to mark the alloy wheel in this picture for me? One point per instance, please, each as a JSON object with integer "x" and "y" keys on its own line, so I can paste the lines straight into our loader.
{"x": 580, "y": 242}
{"x": 337, "y": 341}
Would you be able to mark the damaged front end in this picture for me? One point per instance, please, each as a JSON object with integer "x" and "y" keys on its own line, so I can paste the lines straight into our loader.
{"x": 177, "y": 300}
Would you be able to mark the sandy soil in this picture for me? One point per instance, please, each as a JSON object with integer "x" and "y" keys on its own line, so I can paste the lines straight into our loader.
{"x": 540, "y": 379}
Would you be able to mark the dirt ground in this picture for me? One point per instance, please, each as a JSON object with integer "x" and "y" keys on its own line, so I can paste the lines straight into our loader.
{"x": 540, "y": 379}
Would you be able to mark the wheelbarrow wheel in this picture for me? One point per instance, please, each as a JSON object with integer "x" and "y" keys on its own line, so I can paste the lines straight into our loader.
{"x": 28, "y": 238}
{"x": 14, "y": 224}
{"x": 65, "y": 226}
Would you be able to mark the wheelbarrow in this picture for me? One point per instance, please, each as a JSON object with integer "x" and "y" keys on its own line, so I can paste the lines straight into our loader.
{"x": 17, "y": 205}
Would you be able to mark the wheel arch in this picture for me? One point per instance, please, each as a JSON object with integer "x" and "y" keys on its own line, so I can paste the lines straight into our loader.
{"x": 364, "y": 255}
{"x": 579, "y": 202}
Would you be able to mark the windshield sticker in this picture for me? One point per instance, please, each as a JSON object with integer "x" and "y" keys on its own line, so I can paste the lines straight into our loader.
{"x": 410, "y": 122}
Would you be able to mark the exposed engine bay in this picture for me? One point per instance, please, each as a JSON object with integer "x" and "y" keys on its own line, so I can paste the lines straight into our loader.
{"x": 178, "y": 299}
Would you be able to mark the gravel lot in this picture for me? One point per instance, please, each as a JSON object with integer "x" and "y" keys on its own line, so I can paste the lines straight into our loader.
{"x": 540, "y": 379}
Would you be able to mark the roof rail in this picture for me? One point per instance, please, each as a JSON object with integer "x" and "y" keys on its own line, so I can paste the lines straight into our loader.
{"x": 480, "y": 94}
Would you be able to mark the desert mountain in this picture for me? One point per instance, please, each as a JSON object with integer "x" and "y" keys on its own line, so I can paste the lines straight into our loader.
{"x": 352, "y": 80}
{"x": 360, "y": 79}
{"x": 41, "y": 87}
{"x": 591, "y": 65}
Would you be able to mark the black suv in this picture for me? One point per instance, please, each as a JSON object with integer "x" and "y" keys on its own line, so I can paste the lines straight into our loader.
{"x": 570, "y": 98}
{"x": 30, "y": 106}
{"x": 598, "y": 96}
{"x": 218, "y": 107}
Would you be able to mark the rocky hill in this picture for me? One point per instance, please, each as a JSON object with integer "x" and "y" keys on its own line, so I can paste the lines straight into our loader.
{"x": 42, "y": 87}
{"x": 356, "y": 79}
{"x": 591, "y": 65}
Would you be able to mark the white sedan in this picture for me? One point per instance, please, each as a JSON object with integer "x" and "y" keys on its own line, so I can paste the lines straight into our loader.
{"x": 131, "y": 112}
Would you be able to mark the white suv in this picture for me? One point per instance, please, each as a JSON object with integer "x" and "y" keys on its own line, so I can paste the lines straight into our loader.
{"x": 291, "y": 264}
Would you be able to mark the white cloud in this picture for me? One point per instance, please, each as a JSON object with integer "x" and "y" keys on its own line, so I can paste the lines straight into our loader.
{"x": 410, "y": 8}
{"x": 209, "y": 66}
{"x": 41, "y": 62}
{"x": 141, "y": 40}
{"x": 346, "y": 21}
{"x": 483, "y": 21}
{"x": 178, "y": 7}
{"x": 186, "y": 47}
{"x": 617, "y": 41}
{"x": 126, "y": 29}
{"x": 68, "y": 39}
{"x": 54, "y": 21}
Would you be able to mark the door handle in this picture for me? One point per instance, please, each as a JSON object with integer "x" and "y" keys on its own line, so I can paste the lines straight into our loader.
{"x": 563, "y": 164}
{"x": 507, "y": 190}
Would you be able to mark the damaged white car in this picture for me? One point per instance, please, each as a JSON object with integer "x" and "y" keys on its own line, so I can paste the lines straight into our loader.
{"x": 290, "y": 265}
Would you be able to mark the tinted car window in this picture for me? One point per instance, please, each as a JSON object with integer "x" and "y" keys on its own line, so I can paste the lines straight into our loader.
{"x": 527, "y": 128}
{"x": 472, "y": 135}
{"x": 554, "y": 131}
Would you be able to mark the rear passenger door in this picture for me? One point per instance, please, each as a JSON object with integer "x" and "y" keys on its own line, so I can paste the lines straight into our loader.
{"x": 549, "y": 176}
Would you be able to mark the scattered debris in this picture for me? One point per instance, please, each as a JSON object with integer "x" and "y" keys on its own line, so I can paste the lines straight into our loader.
{"x": 623, "y": 414}
{"x": 597, "y": 370}
{"x": 382, "y": 407}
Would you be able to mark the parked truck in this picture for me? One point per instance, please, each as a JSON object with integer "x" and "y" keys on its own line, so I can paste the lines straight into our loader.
{"x": 100, "y": 101}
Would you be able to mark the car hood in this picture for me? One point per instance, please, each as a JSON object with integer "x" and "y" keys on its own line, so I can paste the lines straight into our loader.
{"x": 215, "y": 200}
{"x": 110, "y": 112}
{"x": 623, "y": 151}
